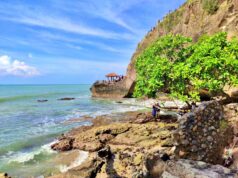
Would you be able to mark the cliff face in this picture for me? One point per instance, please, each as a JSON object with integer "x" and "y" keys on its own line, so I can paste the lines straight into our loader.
{"x": 191, "y": 20}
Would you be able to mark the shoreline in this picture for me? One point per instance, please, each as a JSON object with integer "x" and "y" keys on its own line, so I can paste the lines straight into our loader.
{"x": 130, "y": 140}
{"x": 132, "y": 144}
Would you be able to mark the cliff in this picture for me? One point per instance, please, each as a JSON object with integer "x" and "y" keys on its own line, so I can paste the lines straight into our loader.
{"x": 192, "y": 19}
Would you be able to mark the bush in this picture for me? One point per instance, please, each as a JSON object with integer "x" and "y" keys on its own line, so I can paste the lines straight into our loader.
{"x": 154, "y": 65}
{"x": 181, "y": 68}
{"x": 210, "y": 6}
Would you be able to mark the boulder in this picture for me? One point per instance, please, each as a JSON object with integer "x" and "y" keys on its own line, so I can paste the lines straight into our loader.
{"x": 63, "y": 145}
{"x": 42, "y": 101}
{"x": 203, "y": 132}
{"x": 66, "y": 99}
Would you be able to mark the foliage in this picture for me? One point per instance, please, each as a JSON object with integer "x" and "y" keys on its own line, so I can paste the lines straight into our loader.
{"x": 210, "y": 6}
{"x": 156, "y": 62}
{"x": 223, "y": 125}
{"x": 172, "y": 19}
{"x": 183, "y": 69}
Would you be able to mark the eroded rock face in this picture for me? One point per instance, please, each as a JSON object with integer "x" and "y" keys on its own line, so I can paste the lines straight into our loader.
{"x": 202, "y": 133}
{"x": 185, "y": 22}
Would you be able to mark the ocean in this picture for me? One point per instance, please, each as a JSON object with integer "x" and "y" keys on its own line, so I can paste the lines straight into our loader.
{"x": 29, "y": 127}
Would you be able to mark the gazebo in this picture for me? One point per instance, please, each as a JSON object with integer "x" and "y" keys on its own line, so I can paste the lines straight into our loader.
{"x": 112, "y": 76}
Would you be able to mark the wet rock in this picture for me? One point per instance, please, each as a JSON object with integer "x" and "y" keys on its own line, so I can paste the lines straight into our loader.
{"x": 42, "y": 101}
{"x": 63, "y": 145}
{"x": 66, "y": 99}
{"x": 88, "y": 169}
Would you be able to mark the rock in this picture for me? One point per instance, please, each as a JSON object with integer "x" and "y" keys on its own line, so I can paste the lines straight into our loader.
{"x": 205, "y": 140}
{"x": 63, "y": 145}
{"x": 87, "y": 146}
{"x": 87, "y": 169}
{"x": 66, "y": 99}
{"x": 42, "y": 101}
{"x": 105, "y": 153}
{"x": 103, "y": 138}
{"x": 209, "y": 138}
{"x": 193, "y": 169}
{"x": 231, "y": 91}
{"x": 4, "y": 175}
{"x": 138, "y": 159}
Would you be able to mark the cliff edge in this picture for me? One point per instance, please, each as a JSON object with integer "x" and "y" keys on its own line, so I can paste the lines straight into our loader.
{"x": 192, "y": 19}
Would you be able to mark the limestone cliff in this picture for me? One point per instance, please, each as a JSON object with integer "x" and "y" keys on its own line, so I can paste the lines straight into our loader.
{"x": 191, "y": 20}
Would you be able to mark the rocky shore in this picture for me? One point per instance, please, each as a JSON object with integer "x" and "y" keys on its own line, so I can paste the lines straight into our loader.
{"x": 135, "y": 145}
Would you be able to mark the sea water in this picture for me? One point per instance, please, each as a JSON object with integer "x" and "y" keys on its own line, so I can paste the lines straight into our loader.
{"x": 29, "y": 127}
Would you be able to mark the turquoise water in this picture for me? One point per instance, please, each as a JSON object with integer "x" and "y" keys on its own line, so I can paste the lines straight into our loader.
{"x": 27, "y": 127}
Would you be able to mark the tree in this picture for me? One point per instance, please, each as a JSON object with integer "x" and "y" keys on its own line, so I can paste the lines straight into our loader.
{"x": 154, "y": 65}
{"x": 175, "y": 65}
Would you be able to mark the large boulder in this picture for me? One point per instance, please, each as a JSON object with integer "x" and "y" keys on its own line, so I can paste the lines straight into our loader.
{"x": 203, "y": 134}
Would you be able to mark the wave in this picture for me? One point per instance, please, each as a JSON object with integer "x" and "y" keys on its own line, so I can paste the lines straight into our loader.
{"x": 26, "y": 144}
{"x": 24, "y": 157}
{"x": 79, "y": 160}
{"x": 38, "y": 96}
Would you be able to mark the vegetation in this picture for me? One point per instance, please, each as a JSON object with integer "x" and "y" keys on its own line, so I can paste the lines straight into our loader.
{"x": 172, "y": 19}
{"x": 210, "y": 6}
{"x": 175, "y": 65}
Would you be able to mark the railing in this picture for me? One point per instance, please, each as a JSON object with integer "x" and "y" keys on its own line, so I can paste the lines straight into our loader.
{"x": 109, "y": 81}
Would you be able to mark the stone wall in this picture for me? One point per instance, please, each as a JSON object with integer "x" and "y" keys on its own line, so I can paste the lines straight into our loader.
{"x": 203, "y": 134}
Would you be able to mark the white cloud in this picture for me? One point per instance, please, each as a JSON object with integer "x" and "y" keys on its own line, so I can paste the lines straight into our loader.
{"x": 45, "y": 19}
{"x": 111, "y": 11}
{"x": 16, "y": 67}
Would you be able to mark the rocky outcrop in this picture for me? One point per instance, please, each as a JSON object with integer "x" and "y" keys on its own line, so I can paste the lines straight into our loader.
{"x": 111, "y": 90}
{"x": 202, "y": 133}
{"x": 137, "y": 146}
{"x": 190, "y": 20}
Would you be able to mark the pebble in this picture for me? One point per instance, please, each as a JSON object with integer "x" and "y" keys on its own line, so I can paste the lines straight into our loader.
{"x": 214, "y": 133}
{"x": 209, "y": 138}
{"x": 212, "y": 128}
{"x": 204, "y": 146}
{"x": 185, "y": 142}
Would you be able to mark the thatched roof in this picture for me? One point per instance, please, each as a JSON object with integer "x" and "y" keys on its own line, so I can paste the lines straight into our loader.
{"x": 112, "y": 75}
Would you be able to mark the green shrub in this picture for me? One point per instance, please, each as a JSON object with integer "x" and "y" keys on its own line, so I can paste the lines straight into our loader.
{"x": 172, "y": 19}
{"x": 210, "y": 6}
{"x": 181, "y": 68}
{"x": 154, "y": 65}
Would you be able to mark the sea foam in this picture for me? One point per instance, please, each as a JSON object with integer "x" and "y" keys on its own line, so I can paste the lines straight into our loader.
{"x": 79, "y": 160}
{"x": 22, "y": 157}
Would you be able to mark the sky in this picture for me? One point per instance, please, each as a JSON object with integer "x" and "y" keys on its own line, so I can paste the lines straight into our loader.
{"x": 72, "y": 41}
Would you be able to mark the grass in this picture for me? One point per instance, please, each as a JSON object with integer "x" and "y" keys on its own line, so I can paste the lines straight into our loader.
{"x": 210, "y": 6}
